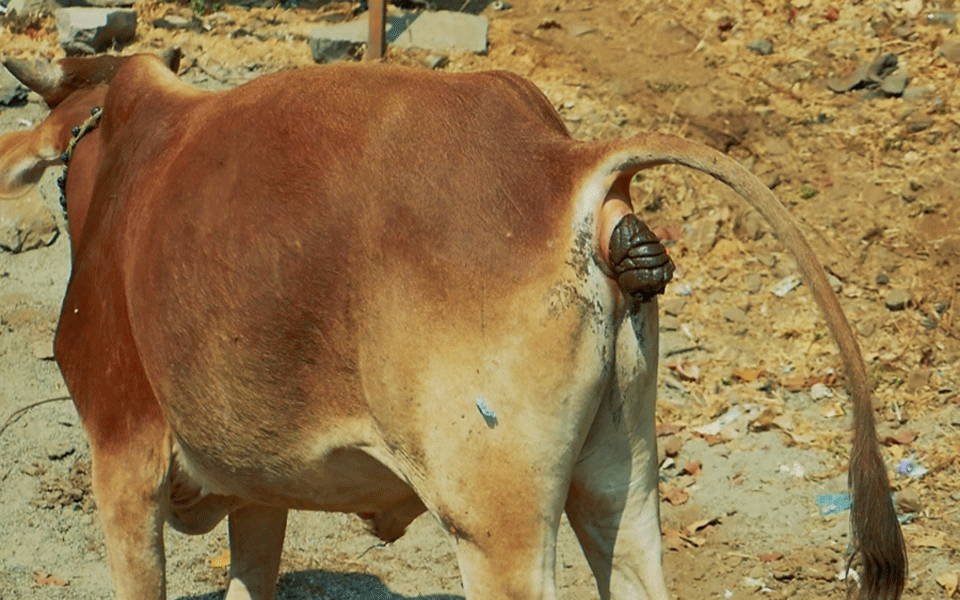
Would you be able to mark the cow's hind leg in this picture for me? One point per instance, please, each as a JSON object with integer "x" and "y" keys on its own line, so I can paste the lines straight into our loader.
{"x": 506, "y": 559}
{"x": 256, "y": 542}
{"x": 613, "y": 503}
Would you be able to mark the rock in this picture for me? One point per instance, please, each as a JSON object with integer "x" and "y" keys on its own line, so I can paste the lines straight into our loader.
{"x": 59, "y": 450}
{"x": 440, "y": 31}
{"x": 908, "y": 501}
{"x": 753, "y": 283}
{"x": 175, "y": 22}
{"x": 702, "y": 234}
{"x": 748, "y": 225}
{"x": 93, "y": 30}
{"x": 324, "y": 50}
{"x": 761, "y": 46}
{"x": 672, "y": 446}
{"x": 12, "y": 92}
{"x": 917, "y": 92}
{"x": 435, "y": 61}
{"x": 835, "y": 284}
{"x": 895, "y": 83}
{"x": 950, "y": 50}
{"x": 25, "y": 8}
{"x": 819, "y": 391}
{"x": 785, "y": 286}
{"x": 897, "y": 299}
{"x": 872, "y": 76}
{"x": 26, "y": 223}
{"x": 669, "y": 323}
{"x": 734, "y": 314}
{"x": 673, "y": 306}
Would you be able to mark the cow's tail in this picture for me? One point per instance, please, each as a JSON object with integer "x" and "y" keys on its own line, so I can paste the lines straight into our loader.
{"x": 880, "y": 549}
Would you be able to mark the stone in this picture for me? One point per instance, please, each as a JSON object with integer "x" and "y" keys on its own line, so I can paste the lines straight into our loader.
{"x": 26, "y": 223}
{"x": 761, "y": 46}
{"x": 734, "y": 314}
{"x": 897, "y": 299}
{"x": 753, "y": 283}
{"x": 439, "y": 31}
{"x": 673, "y": 306}
{"x": 12, "y": 92}
{"x": 24, "y": 8}
{"x": 175, "y": 22}
{"x": 60, "y": 450}
{"x": 701, "y": 235}
{"x": 325, "y": 51}
{"x": 435, "y": 61}
{"x": 908, "y": 501}
{"x": 93, "y": 30}
{"x": 950, "y": 50}
{"x": 895, "y": 83}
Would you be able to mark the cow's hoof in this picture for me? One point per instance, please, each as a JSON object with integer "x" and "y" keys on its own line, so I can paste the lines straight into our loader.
{"x": 640, "y": 262}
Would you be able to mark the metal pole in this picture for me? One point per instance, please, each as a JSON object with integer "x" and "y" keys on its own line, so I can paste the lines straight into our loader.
{"x": 377, "y": 42}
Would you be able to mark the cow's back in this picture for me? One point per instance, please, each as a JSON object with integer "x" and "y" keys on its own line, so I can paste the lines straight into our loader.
{"x": 275, "y": 241}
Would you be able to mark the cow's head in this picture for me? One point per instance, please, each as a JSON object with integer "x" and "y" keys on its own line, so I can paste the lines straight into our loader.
{"x": 71, "y": 87}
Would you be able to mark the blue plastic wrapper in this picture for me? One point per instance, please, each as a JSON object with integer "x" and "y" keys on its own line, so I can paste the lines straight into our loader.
{"x": 830, "y": 504}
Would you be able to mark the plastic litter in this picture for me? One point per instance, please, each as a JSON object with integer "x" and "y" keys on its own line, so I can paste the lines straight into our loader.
{"x": 714, "y": 428}
{"x": 911, "y": 468}
{"x": 489, "y": 415}
{"x": 785, "y": 286}
{"x": 830, "y": 504}
{"x": 820, "y": 391}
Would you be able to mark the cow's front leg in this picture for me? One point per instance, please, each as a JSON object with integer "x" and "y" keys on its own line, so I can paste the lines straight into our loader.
{"x": 613, "y": 503}
{"x": 131, "y": 489}
{"x": 256, "y": 542}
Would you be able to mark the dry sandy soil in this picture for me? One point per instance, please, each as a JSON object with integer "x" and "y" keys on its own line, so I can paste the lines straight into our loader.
{"x": 872, "y": 179}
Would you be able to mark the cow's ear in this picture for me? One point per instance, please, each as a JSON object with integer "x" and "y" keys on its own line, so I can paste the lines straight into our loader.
{"x": 24, "y": 156}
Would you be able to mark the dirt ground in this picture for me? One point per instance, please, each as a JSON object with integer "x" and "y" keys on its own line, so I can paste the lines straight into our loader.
{"x": 872, "y": 178}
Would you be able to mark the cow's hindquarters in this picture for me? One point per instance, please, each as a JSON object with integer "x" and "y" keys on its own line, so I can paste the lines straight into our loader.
{"x": 613, "y": 503}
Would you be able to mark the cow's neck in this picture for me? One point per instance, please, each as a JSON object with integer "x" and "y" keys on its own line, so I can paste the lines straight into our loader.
{"x": 78, "y": 132}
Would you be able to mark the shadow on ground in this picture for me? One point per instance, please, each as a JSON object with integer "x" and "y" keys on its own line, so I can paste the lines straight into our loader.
{"x": 327, "y": 585}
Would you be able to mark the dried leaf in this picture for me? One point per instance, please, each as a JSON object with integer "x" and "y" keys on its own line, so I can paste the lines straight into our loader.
{"x": 672, "y": 446}
{"x": 770, "y": 557}
{"x": 671, "y": 539}
{"x": 711, "y": 440}
{"x": 765, "y": 420}
{"x": 674, "y": 495}
{"x": 692, "y": 468}
{"x": 936, "y": 540}
{"x": 748, "y": 374}
{"x": 665, "y": 429}
{"x": 48, "y": 579}
{"x": 832, "y": 411}
{"x": 949, "y": 581}
{"x": 902, "y": 438}
{"x": 685, "y": 371}
{"x": 698, "y": 525}
{"x": 221, "y": 560}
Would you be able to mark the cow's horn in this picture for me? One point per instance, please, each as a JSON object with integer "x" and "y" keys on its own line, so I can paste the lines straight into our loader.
{"x": 39, "y": 75}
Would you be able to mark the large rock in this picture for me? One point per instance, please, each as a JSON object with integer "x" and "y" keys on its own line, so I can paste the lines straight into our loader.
{"x": 94, "y": 30}
{"x": 24, "y": 8}
{"x": 441, "y": 31}
{"x": 12, "y": 92}
{"x": 26, "y": 223}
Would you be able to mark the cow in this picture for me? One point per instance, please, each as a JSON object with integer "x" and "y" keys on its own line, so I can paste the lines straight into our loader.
{"x": 382, "y": 291}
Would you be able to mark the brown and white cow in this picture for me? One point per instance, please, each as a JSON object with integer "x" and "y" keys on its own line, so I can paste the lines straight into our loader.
{"x": 376, "y": 290}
